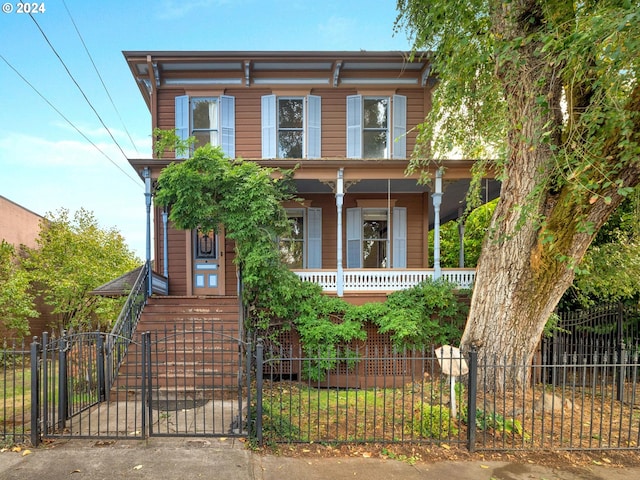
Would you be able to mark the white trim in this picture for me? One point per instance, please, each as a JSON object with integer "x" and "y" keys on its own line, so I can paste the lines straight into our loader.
{"x": 204, "y": 81}
{"x": 290, "y": 81}
{"x": 379, "y": 81}
{"x": 383, "y": 279}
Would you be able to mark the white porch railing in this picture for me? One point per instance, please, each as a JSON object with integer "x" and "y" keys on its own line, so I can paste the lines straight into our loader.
{"x": 383, "y": 280}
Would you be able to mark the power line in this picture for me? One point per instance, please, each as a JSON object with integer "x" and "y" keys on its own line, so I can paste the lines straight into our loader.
{"x": 78, "y": 86}
{"x": 100, "y": 77}
{"x": 137, "y": 182}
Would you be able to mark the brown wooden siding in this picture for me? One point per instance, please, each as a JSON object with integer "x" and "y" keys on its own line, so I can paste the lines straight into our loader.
{"x": 334, "y": 113}
{"x": 231, "y": 277}
{"x": 249, "y": 145}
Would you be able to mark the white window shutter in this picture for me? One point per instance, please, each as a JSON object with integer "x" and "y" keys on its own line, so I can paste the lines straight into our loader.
{"x": 314, "y": 238}
{"x": 228, "y": 125}
{"x": 314, "y": 122}
{"x": 354, "y": 126}
{"x": 399, "y": 237}
{"x": 182, "y": 120}
{"x": 399, "y": 126}
{"x": 354, "y": 237}
{"x": 269, "y": 119}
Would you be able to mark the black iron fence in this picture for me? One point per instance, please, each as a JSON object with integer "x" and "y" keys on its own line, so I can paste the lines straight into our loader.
{"x": 15, "y": 393}
{"x": 583, "y": 403}
{"x": 611, "y": 327}
{"x": 574, "y": 398}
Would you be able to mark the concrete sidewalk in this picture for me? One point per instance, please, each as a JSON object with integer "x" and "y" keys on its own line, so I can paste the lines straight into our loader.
{"x": 183, "y": 458}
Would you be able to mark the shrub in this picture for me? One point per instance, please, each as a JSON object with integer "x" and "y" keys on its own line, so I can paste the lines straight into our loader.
{"x": 431, "y": 313}
{"x": 434, "y": 421}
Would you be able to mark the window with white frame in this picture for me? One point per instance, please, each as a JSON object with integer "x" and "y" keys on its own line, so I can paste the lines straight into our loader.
{"x": 376, "y": 126}
{"x": 291, "y": 127}
{"x": 292, "y": 245}
{"x": 302, "y": 248}
{"x": 205, "y": 121}
{"x": 375, "y": 240}
{"x": 211, "y": 120}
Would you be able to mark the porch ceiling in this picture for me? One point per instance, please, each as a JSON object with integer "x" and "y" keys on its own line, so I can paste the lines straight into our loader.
{"x": 453, "y": 199}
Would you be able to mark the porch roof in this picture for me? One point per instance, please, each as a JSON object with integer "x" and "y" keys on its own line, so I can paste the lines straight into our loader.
{"x": 368, "y": 176}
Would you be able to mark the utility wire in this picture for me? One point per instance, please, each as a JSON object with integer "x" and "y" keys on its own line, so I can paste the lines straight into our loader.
{"x": 100, "y": 77}
{"x": 78, "y": 85}
{"x": 137, "y": 182}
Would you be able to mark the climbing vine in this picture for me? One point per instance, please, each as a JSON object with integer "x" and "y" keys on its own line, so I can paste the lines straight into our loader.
{"x": 209, "y": 189}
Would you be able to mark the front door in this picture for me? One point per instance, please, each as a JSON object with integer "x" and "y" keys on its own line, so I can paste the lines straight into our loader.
{"x": 208, "y": 262}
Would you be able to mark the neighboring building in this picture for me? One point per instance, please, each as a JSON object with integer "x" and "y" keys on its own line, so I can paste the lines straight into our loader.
{"x": 18, "y": 225}
{"x": 348, "y": 119}
{"x": 21, "y": 227}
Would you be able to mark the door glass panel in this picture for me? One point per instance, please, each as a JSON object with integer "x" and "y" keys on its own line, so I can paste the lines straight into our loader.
{"x": 205, "y": 244}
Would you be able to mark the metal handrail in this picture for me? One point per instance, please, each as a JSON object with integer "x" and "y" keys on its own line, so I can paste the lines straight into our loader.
{"x": 121, "y": 335}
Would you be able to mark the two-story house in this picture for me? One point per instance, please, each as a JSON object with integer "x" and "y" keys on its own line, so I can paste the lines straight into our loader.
{"x": 347, "y": 119}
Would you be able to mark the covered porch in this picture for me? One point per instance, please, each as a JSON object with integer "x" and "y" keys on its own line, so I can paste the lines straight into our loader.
{"x": 342, "y": 192}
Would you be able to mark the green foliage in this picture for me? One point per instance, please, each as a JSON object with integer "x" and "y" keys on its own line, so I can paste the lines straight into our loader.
{"x": 497, "y": 422}
{"x": 433, "y": 421}
{"x": 74, "y": 256}
{"x": 168, "y": 140}
{"x": 610, "y": 271}
{"x": 477, "y": 224}
{"x": 428, "y": 314}
{"x": 549, "y": 92}
{"x": 326, "y": 326}
{"x": 16, "y": 298}
{"x": 208, "y": 190}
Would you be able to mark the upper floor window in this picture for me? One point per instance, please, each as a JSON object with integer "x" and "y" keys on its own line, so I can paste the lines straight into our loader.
{"x": 211, "y": 120}
{"x": 291, "y": 127}
{"x": 204, "y": 121}
{"x": 376, "y": 126}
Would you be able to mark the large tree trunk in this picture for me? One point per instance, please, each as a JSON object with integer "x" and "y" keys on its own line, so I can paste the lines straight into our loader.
{"x": 536, "y": 237}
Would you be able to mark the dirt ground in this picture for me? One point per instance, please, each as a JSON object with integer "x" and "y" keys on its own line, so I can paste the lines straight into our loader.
{"x": 437, "y": 453}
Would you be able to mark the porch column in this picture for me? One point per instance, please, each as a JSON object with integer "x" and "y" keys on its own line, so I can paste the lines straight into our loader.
{"x": 461, "y": 222}
{"x": 339, "y": 202}
{"x": 437, "y": 201}
{"x": 165, "y": 218}
{"x": 146, "y": 173}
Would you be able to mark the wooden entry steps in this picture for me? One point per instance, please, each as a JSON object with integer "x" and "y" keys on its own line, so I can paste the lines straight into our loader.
{"x": 195, "y": 351}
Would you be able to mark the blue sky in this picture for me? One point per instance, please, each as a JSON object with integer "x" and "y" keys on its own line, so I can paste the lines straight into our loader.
{"x": 45, "y": 164}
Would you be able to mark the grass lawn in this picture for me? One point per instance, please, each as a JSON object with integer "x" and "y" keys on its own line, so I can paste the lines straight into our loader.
{"x": 15, "y": 395}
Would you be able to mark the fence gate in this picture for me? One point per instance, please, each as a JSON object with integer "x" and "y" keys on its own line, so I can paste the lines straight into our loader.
{"x": 191, "y": 382}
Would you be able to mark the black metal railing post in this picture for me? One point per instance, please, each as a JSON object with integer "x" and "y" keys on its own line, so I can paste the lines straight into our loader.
{"x": 620, "y": 347}
{"x": 35, "y": 394}
{"x": 63, "y": 399}
{"x": 102, "y": 390}
{"x": 472, "y": 392}
{"x": 259, "y": 381}
{"x": 146, "y": 382}
{"x": 44, "y": 368}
